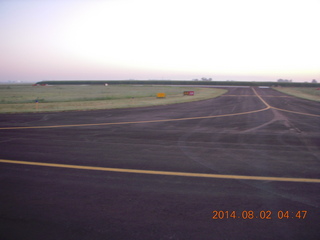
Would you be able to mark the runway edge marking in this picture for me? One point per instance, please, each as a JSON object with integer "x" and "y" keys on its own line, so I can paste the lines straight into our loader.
{"x": 168, "y": 173}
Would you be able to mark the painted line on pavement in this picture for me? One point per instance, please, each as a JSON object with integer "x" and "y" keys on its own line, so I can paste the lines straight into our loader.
{"x": 265, "y": 103}
{"x": 148, "y": 121}
{"x": 152, "y": 172}
{"x": 306, "y": 114}
{"x": 284, "y": 110}
{"x": 167, "y": 120}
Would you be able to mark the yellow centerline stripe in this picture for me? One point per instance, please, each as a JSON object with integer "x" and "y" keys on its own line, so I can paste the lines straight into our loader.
{"x": 265, "y": 103}
{"x": 148, "y": 121}
{"x": 307, "y": 114}
{"x": 168, "y": 120}
{"x": 280, "y": 109}
{"x": 181, "y": 174}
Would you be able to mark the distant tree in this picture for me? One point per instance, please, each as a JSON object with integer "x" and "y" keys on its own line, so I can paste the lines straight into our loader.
{"x": 206, "y": 79}
{"x": 314, "y": 81}
{"x": 284, "y": 80}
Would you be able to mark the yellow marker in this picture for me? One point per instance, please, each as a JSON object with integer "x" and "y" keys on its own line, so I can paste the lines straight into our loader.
{"x": 161, "y": 95}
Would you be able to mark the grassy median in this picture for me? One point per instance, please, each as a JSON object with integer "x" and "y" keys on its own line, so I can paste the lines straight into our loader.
{"x": 28, "y": 98}
{"x": 308, "y": 93}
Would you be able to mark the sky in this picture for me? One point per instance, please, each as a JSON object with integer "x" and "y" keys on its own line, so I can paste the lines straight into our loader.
{"x": 247, "y": 40}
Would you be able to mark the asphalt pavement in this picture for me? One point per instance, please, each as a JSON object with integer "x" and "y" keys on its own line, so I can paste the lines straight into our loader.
{"x": 245, "y": 165}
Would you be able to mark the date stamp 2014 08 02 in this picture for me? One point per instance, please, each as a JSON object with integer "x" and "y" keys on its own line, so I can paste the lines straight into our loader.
{"x": 263, "y": 214}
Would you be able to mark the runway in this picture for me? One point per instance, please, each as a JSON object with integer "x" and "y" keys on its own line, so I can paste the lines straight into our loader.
{"x": 162, "y": 172}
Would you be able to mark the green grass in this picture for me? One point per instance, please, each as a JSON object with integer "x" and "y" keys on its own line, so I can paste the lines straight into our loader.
{"x": 301, "y": 92}
{"x": 22, "y": 98}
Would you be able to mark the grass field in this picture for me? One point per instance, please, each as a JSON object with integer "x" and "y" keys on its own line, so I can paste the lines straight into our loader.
{"x": 301, "y": 92}
{"x": 22, "y": 98}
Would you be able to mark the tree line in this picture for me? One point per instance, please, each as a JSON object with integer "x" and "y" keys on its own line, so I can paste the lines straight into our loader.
{"x": 176, "y": 82}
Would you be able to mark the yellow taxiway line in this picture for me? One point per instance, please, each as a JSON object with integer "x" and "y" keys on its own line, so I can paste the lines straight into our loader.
{"x": 265, "y": 103}
{"x": 307, "y": 114}
{"x": 280, "y": 109}
{"x": 167, "y": 120}
{"x": 148, "y": 121}
{"x": 167, "y": 173}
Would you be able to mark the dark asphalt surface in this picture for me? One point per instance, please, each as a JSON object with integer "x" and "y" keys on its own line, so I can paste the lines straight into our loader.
{"x": 39, "y": 202}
